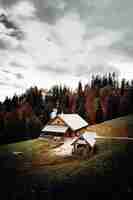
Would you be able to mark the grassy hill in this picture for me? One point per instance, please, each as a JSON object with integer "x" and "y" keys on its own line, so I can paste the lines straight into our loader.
{"x": 38, "y": 173}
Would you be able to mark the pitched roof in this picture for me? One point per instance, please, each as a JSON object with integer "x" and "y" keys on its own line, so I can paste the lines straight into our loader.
{"x": 74, "y": 121}
{"x": 87, "y": 137}
{"x": 55, "y": 128}
{"x": 90, "y": 137}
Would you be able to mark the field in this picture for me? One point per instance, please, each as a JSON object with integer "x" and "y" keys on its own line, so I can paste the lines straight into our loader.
{"x": 31, "y": 169}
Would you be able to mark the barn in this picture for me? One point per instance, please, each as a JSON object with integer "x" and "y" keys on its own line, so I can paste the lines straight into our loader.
{"x": 65, "y": 125}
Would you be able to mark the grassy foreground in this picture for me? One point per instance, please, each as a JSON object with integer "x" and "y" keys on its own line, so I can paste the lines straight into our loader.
{"x": 39, "y": 175}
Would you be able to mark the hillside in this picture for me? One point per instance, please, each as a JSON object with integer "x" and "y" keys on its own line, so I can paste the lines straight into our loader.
{"x": 37, "y": 172}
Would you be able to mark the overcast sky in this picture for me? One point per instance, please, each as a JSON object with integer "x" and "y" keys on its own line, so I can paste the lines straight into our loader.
{"x": 45, "y": 42}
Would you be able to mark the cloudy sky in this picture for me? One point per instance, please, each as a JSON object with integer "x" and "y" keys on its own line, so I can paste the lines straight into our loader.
{"x": 44, "y": 42}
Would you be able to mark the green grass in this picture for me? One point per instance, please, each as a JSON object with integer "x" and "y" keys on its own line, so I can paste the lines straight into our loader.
{"x": 110, "y": 170}
{"x": 30, "y": 146}
{"x": 20, "y": 146}
{"x": 38, "y": 151}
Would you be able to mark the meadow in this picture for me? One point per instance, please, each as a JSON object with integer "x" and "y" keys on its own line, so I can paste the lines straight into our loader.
{"x": 31, "y": 170}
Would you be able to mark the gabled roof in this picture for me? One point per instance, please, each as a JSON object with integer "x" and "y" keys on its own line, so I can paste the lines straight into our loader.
{"x": 55, "y": 128}
{"x": 90, "y": 137}
{"x": 74, "y": 121}
{"x": 87, "y": 137}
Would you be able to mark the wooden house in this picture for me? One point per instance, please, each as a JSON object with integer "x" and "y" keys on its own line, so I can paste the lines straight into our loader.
{"x": 84, "y": 145}
{"x": 65, "y": 125}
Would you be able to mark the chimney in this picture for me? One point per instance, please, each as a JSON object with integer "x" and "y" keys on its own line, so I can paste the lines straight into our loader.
{"x": 53, "y": 114}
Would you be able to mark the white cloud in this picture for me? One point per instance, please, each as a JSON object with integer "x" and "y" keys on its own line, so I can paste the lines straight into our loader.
{"x": 125, "y": 67}
{"x": 71, "y": 30}
{"x": 22, "y": 9}
{"x": 71, "y": 44}
{"x": 104, "y": 39}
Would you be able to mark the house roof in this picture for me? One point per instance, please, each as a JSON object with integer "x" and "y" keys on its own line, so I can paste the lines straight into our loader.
{"x": 89, "y": 137}
{"x": 74, "y": 121}
{"x": 55, "y": 128}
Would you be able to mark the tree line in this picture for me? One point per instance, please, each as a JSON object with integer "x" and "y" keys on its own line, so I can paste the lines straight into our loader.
{"x": 103, "y": 98}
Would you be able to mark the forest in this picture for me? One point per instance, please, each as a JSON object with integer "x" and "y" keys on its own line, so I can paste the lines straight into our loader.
{"x": 103, "y": 98}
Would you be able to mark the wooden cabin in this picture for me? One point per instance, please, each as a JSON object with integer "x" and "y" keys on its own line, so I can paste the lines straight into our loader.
{"x": 65, "y": 125}
{"x": 84, "y": 145}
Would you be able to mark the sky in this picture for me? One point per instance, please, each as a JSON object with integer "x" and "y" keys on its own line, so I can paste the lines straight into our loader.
{"x": 47, "y": 42}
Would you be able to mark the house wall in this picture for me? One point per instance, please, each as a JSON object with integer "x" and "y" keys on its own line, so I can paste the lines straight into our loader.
{"x": 57, "y": 121}
{"x": 55, "y": 134}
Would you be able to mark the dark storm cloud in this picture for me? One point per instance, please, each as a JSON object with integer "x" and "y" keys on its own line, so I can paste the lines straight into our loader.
{"x": 10, "y": 25}
{"x": 118, "y": 15}
{"x": 48, "y": 11}
{"x": 98, "y": 17}
{"x": 108, "y": 13}
{"x": 83, "y": 7}
{"x": 93, "y": 12}
{"x": 18, "y": 34}
{"x": 9, "y": 2}
{"x": 6, "y": 22}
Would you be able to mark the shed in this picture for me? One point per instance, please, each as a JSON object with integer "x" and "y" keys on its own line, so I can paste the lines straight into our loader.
{"x": 84, "y": 145}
